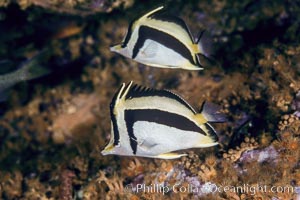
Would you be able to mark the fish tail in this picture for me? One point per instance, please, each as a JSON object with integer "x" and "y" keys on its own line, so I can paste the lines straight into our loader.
{"x": 205, "y": 52}
{"x": 32, "y": 68}
{"x": 211, "y": 113}
{"x": 204, "y": 43}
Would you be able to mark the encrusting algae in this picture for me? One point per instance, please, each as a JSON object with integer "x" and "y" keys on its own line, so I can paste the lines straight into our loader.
{"x": 52, "y": 128}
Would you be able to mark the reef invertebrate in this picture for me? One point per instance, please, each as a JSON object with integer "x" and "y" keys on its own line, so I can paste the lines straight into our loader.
{"x": 235, "y": 154}
{"x": 289, "y": 122}
{"x": 66, "y": 187}
{"x": 75, "y": 112}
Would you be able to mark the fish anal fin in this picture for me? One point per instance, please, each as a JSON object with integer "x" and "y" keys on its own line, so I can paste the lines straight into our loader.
{"x": 170, "y": 155}
{"x": 211, "y": 138}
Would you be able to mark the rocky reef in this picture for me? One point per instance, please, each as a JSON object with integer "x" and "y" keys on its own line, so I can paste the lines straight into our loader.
{"x": 53, "y": 128}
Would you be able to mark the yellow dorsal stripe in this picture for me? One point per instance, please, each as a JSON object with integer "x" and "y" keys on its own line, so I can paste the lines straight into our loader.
{"x": 127, "y": 90}
{"x": 170, "y": 28}
{"x": 121, "y": 95}
{"x": 120, "y": 92}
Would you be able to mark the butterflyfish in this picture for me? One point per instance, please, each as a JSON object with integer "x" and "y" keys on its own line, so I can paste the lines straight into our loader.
{"x": 163, "y": 41}
{"x": 154, "y": 123}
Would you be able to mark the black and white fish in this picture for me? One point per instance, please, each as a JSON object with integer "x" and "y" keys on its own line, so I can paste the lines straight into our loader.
{"x": 153, "y": 123}
{"x": 162, "y": 41}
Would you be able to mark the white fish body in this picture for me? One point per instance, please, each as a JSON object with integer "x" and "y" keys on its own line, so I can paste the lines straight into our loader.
{"x": 161, "y": 41}
{"x": 154, "y": 123}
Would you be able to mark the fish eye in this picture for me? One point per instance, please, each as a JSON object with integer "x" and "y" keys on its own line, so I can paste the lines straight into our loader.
{"x": 123, "y": 45}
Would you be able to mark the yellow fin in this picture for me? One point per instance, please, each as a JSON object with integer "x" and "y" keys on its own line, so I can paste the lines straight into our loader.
{"x": 196, "y": 48}
{"x": 200, "y": 119}
{"x": 170, "y": 155}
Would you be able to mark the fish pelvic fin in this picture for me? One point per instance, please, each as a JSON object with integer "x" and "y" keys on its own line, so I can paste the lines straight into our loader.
{"x": 210, "y": 113}
{"x": 33, "y": 69}
{"x": 170, "y": 155}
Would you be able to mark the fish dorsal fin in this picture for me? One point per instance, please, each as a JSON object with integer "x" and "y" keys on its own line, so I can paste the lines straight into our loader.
{"x": 123, "y": 91}
{"x": 139, "y": 91}
{"x": 120, "y": 94}
{"x": 152, "y": 12}
{"x": 137, "y": 22}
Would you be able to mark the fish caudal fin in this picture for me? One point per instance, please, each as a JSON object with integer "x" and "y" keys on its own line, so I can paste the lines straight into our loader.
{"x": 33, "y": 69}
{"x": 205, "y": 49}
{"x": 211, "y": 113}
{"x": 204, "y": 43}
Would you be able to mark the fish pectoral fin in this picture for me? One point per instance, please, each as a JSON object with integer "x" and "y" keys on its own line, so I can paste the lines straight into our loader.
{"x": 170, "y": 155}
{"x": 146, "y": 144}
{"x": 150, "y": 50}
